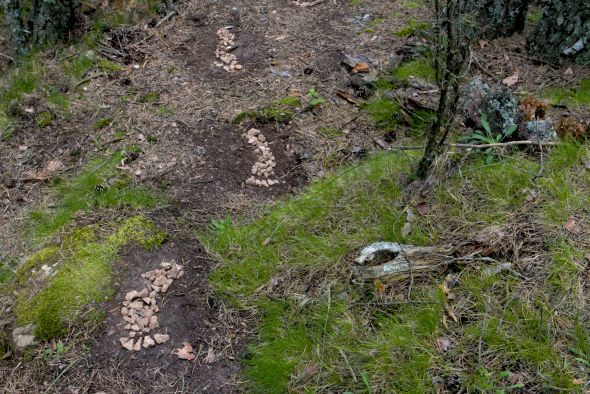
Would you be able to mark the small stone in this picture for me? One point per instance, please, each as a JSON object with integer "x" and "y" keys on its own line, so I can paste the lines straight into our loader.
{"x": 129, "y": 319}
{"x": 127, "y": 343}
{"x": 125, "y": 303}
{"x": 153, "y": 294}
{"x": 137, "y": 346}
{"x": 161, "y": 338}
{"x": 166, "y": 265}
{"x": 148, "y": 342}
{"x": 135, "y": 327}
{"x": 143, "y": 293}
{"x": 132, "y": 334}
{"x": 226, "y": 68}
{"x": 238, "y": 66}
{"x": 160, "y": 280}
{"x": 124, "y": 311}
{"x": 130, "y": 295}
{"x": 165, "y": 287}
{"x": 153, "y": 324}
{"x": 127, "y": 327}
{"x": 137, "y": 305}
{"x": 156, "y": 288}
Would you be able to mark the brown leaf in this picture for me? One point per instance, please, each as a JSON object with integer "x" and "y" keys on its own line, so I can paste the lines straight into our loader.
{"x": 571, "y": 225}
{"x": 50, "y": 169}
{"x": 186, "y": 352}
{"x": 379, "y": 286}
{"x": 422, "y": 208}
{"x": 578, "y": 381}
{"x": 511, "y": 80}
{"x": 360, "y": 68}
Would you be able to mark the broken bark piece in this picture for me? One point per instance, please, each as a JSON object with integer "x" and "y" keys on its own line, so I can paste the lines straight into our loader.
{"x": 407, "y": 261}
{"x": 161, "y": 338}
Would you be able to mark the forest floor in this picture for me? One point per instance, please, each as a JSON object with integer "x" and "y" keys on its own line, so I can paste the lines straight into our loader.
{"x": 128, "y": 149}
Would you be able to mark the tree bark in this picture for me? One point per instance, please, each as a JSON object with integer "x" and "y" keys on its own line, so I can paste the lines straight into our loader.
{"x": 563, "y": 33}
{"x": 497, "y": 18}
{"x": 52, "y": 20}
{"x": 18, "y": 34}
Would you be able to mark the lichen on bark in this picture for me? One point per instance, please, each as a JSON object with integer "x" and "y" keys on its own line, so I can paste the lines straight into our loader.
{"x": 563, "y": 33}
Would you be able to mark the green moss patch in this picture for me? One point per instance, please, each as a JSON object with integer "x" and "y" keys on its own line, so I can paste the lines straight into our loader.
{"x": 412, "y": 28}
{"x": 82, "y": 276}
{"x": 579, "y": 95}
{"x": 415, "y": 68}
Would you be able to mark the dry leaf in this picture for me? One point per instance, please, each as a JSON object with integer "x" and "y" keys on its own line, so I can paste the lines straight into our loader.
{"x": 511, "y": 80}
{"x": 578, "y": 381}
{"x": 210, "y": 357}
{"x": 360, "y": 68}
{"x": 50, "y": 169}
{"x": 571, "y": 225}
{"x": 186, "y": 352}
{"x": 422, "y": 208}
{"x": 379, "y": 286}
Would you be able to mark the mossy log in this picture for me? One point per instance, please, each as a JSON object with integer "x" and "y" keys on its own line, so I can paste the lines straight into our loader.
{"x": 563, "y": 33}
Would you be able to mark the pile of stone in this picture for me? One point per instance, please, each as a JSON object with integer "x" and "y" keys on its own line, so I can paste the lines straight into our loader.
{"x": 227, "y": 60}
{"x": 263, "y": 169}
{"x": 140, "y": 308}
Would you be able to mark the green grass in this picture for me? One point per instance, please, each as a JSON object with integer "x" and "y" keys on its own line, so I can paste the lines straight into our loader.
{"x": 579, "y": 95}
{"x": 83, "y": 266}
{"x": 384, "y": 112}
{"x": 318, "y": 334}
{"x": 100, "y": 185}
{"x": 279, "y": 111}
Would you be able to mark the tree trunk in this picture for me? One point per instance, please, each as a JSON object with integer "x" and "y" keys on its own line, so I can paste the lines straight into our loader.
{"x": 18, "y": 34}
{"x": 497, "y": 18}
{"x": 563, "y": 33}
{"x": 52, "y": 19}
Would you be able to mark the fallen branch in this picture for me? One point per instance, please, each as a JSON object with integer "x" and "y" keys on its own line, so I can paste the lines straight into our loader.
{"x": 311, "y": 4}
{"x": 90, "y": 78}
{"x": 480, "y": 146}
{"x": 164, "y": 19}
{"x": 10, "y": 58}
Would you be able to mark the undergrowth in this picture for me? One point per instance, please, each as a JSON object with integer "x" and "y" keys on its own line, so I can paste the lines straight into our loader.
{"x": 99, "y": 185}
{"x": 320, "y": 333}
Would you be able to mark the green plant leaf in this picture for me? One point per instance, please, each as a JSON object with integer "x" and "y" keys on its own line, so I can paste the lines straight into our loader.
{"x": 510, "y": 130}
{"x": 484, "y": 123}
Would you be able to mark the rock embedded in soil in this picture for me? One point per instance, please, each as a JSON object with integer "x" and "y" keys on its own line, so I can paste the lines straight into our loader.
{"x": 127, "y": 343}
{"x": 161, "y": 338}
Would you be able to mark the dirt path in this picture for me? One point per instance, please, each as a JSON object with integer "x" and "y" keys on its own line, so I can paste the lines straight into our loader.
{"x": 177, "y": 107}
